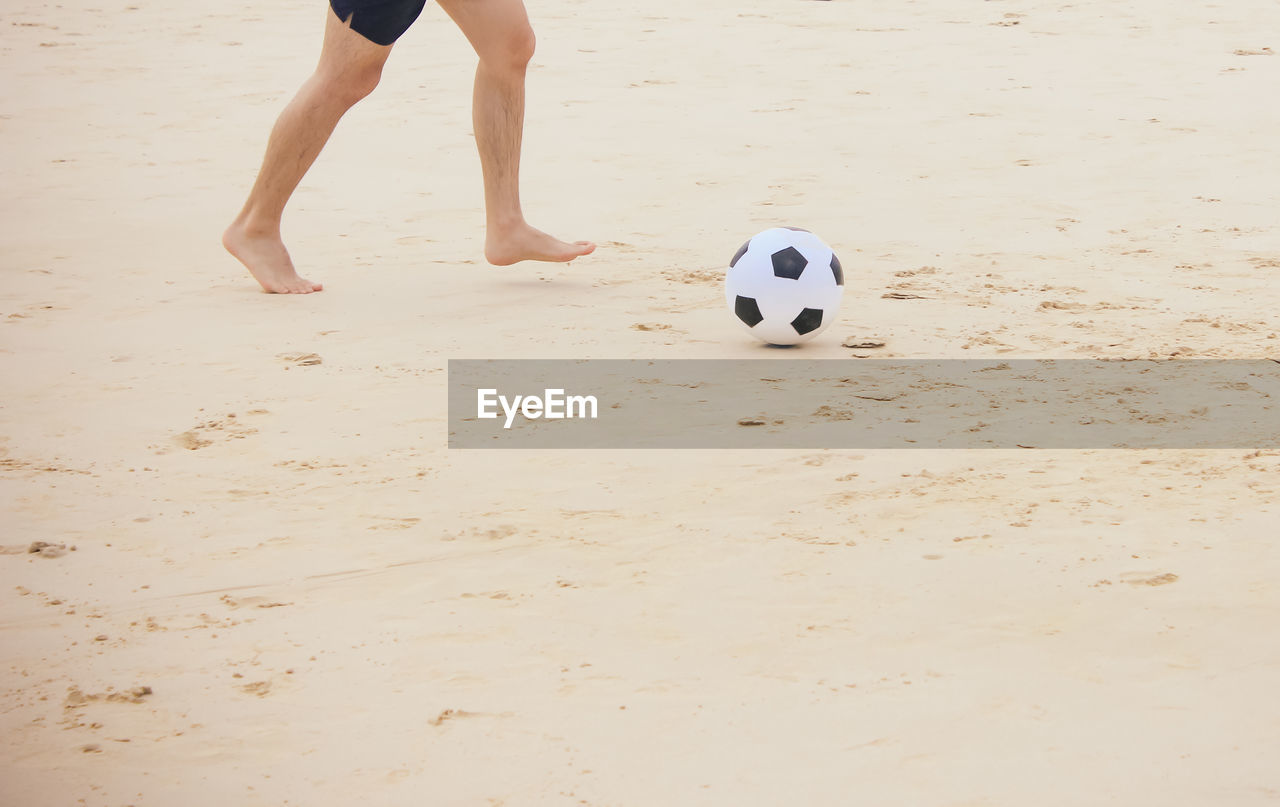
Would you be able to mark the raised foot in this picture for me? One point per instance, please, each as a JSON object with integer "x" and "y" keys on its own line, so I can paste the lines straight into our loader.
{"x": 524, "y": 243}
{"x": 267, "y": 260}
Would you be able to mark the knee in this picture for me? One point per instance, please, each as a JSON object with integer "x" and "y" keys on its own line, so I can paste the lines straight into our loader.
{"x": 348, "y": 87}
{"x": 522, "y": 45}
{"x": 513, "y": 51}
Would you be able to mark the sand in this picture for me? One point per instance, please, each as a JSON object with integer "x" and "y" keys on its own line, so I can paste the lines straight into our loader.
{"x": 242, "y": 568}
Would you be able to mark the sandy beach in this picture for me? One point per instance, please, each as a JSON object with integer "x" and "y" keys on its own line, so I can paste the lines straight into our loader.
{"x": 242, "y": 567}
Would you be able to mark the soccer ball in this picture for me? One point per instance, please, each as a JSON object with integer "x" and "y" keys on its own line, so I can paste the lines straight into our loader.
{"x": 784, "y": 286}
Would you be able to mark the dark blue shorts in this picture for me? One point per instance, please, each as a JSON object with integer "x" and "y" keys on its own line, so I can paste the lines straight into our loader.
{"x": 379, "y": 21}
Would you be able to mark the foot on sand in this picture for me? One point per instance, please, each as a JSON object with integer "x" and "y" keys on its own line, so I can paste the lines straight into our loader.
{"x": 264, "y": 255}
{"x": 504, "y": 247}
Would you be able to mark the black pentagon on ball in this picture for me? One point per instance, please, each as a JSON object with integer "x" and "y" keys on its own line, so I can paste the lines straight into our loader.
{"x": 737, "y": 256}
{"x": 789, "y": 263}
{"x": 810, "y": 319}
{"x": 749, "y": 311}
{"x": 837, "y": 270}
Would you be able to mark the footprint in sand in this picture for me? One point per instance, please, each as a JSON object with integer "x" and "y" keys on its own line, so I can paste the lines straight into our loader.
{"x": 250, "y": 602}
{"x": 191, "y": 440}
{"x": 1010, "y": 19}
{"x": 450, "y": 714}
{"x": 300, "y": 359}
{"x": 230, "y": 427}
{"x": 695, "y": 277}
{"x": 1148, "y": 579}
{"x": 42, "y": 548}
{"x": 923, "y": 270}
{"x": 394, "y": 523}
{"x": 77, "y": 698}
{"x": 47, "y": 550}
{"x": 498, "y": 533}
{"x": 1058, "y": 305}
{"x": 34, "y": 310}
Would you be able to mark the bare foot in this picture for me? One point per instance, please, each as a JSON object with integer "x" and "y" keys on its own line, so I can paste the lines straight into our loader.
{"x": 504, "y": 247}
{"x": 267, "y": 260}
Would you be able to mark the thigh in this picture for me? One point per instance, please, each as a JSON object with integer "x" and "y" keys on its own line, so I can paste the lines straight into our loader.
{"x": 347, "y": 54}
{"x": 381, "y": 22}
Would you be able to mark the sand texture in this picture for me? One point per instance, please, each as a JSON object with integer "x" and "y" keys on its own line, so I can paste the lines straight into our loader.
{"x": 241, "y": 566}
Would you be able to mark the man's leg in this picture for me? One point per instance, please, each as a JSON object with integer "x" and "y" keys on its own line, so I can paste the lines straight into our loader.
{"x": 349, "y": 69}
{"x": 499, "y": 31}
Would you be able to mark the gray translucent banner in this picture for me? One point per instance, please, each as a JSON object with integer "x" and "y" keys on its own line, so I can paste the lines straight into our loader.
{"x": 864, "y": 404}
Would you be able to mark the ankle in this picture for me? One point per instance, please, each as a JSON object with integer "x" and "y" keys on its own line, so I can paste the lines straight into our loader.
{"x": 256, "y": 226}
{"x": 506, "y": 223}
